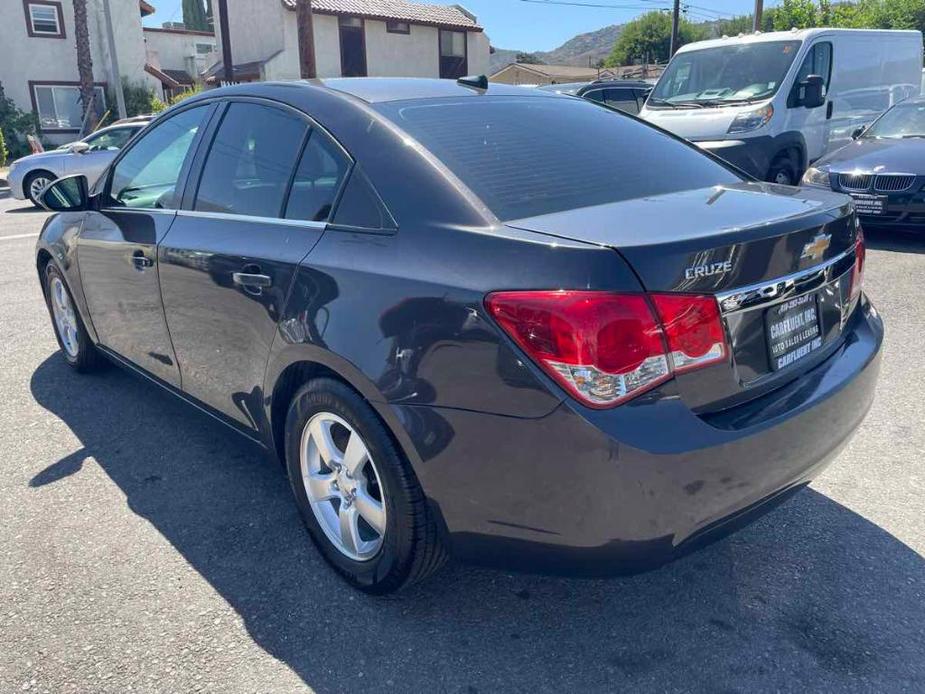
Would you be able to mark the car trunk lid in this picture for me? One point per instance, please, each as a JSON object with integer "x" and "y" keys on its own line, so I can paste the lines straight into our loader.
{"x": 774, "y": 257}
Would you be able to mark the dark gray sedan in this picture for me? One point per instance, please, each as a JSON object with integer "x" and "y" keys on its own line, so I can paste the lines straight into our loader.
{"x": 883, "y": 169}
{"x": 473, "y": 320}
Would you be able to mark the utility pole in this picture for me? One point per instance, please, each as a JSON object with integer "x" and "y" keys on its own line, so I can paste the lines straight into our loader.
{"x": 227, "y": 64}
{"x": 306, "y": 39}
{"x": 114, "y": 60}
{"x": 759, "y": 8}
{"x": 675, "y": 18}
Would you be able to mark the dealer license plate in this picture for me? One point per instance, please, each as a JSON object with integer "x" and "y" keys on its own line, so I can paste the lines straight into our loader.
{"x": 870, "y": 205}
{"x": 792, "y": 330}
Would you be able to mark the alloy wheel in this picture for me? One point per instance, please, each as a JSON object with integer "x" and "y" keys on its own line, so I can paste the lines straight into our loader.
{"x": 65, "y": 317}
{"x": 38, "y": 184}
{"x": 343, "y": 486}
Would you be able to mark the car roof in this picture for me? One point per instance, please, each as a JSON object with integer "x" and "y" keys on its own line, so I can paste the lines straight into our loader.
{"x": 620, "y": 83}
{"x": 381, "y": 89}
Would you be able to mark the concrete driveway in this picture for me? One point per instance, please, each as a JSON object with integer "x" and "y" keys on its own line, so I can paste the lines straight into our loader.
{"x": 145, "y": 548}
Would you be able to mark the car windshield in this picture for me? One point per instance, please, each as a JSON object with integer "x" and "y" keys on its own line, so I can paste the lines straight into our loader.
{"x": 529, "y": 156}
{"x": 905, "y": 120}
{"x": 715, "y": 76}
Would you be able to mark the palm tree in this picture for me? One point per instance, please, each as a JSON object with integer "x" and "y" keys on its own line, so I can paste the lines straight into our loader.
{"x": 84, "y": 65}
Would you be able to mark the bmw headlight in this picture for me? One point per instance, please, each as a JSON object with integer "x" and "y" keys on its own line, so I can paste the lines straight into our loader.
{"x": 751, "y": 120}
{"x": 816, "y": 177}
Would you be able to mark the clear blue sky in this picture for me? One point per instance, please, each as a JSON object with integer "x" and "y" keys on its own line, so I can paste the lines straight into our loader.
{"x": 533, "y": 26}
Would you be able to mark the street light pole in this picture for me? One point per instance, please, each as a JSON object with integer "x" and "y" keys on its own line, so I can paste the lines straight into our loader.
{"x": 114, "y": 61}
{"x": 759, "y": 8}
{"x": 675, "y": 18}
{"x": 227, "y": 64}
{"x": 307, "y": 67}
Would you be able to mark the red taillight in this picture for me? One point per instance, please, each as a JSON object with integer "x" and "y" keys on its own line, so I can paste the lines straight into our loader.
{"x": 606, "y": 348}
{"x": 693, "y": 328}
{"x": 857, "y": 274}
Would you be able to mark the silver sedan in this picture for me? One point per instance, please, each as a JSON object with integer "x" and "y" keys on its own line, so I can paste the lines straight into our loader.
{"x": 90, "y": 156}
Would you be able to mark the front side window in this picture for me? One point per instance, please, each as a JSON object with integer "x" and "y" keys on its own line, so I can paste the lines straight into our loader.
{"x": 251, "y": 160}
{"x": 147, "y": 176}
{"x": 110, "y": 139}
{"x": 59, "y": 106}
{"x": 45, "y": 19}
{"x": 725, "y": 74}
{"x": 519, "y": 157}
{"x": 453, "y": 63}
{"x": 818, "y": 61}
{"x": 321, "y": 171}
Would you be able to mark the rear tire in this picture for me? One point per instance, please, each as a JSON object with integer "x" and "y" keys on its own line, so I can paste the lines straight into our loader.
{"x": 78, "y": 349}
{"x": 324, "y": 417}
{"x": 783, "y": 171}
{"x": 34, "y": 182}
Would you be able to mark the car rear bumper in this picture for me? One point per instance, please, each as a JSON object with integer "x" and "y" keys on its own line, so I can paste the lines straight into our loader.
{"x": 604, "y": 492}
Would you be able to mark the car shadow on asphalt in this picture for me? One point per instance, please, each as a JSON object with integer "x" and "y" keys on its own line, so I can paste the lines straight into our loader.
{"x": 891, "y": 240}
{"x": 811, "y": 597}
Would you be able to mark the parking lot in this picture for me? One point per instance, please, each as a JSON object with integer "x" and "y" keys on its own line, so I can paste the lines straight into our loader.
{"x": 143, "y": 547}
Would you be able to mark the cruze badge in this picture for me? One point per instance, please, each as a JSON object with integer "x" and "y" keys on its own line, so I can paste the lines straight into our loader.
{"x": 707, "y": 270}
{"x": 817, "y": 247}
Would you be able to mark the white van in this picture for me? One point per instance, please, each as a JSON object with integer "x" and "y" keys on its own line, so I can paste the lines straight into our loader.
{"x": 773, "y": 103}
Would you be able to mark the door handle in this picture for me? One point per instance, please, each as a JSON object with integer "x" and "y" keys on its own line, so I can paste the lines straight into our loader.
{"x": 141, "y": 262}
{"x": 251, "y": 280}
{"x": 828, "y": 109}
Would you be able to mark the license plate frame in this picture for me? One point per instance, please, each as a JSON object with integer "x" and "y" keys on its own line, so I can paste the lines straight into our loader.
{"x": 793, "y": 330}
{"x": 869, "y": 205}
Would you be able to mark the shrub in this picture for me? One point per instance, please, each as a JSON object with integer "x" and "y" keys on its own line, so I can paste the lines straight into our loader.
{"x": 14, "y": 126}
{"x": 3, "y": 152}
{"x": 186, "y": 94}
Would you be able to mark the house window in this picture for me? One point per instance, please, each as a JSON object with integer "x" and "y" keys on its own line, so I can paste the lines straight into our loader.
{"x": 204, "y": 48}
{"x": 453, "y": 54}
{"x": 59, "y": 107}
{"x": 398, "y": 27}
{"x": 44, "y": 19}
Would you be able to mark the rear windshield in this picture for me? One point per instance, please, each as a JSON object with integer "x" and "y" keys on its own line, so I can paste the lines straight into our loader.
{"x": 528, "y": 156}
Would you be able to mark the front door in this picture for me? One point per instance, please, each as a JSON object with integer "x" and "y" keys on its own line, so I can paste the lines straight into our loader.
{"x": 266, "y": 188}
{"x": 117, "y": 247}
{"x": 815, "y": 123}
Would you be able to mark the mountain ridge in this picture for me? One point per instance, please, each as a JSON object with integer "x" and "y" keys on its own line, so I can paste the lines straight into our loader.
{"x": 580, "y": 51}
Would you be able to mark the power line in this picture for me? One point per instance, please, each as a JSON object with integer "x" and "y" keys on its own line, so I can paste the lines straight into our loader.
{"x": 576, "y": 3}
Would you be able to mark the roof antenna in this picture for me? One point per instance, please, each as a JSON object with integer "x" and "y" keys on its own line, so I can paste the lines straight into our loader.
{"x": 474, "y": 81}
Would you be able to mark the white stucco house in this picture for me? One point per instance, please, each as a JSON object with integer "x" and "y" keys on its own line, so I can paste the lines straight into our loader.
{"x": 38, "y": 58}
{"x": 177, "y": 56}
{"x": 353, "y": 38}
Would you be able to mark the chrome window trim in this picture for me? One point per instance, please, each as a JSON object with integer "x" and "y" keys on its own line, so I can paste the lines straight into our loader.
{"x": 229, "y": 216}
{"x": 765, "y": 294}
{"x": 139, "y": 210}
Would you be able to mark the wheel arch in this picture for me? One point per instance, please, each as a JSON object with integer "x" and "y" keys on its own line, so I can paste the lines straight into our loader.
{"x": 301, "y": 364}
{"x": 793, "y": 145}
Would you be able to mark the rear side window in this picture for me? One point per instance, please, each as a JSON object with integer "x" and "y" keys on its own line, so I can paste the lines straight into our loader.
{"x": 318, "y": 179}
{"x": 623, "y": 99}
{"x": 530, "y": 156}
{"x": 251, "y": 160}
{"x": 361, "y": 207}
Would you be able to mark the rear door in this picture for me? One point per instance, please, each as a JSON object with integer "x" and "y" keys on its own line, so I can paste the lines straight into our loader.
{"x": 116, "y": 249}
{"x": 266, "y": 187}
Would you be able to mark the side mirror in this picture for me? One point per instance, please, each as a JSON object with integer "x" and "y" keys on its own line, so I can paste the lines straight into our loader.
{"x": 858, "y": 132}
{"x": 67, "y": 194}
{"x": 809, "y": 92}
{"x": 79, "y": 148}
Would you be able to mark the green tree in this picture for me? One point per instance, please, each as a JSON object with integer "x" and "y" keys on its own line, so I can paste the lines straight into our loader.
{"x": 194, "y": 15}
{"x": 4, "y": 154}
{"x": 649, "y": 37}
{"x": 528, "y": 59}
{"x": 14, "y": 126}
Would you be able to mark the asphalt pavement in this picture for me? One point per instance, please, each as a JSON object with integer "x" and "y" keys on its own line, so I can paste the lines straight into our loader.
{"x": 145, "y": 548}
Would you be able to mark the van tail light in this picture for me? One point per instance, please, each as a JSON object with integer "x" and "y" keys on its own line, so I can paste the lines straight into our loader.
{"x": 607, "y": 348}
{"x": 857, "y": 274}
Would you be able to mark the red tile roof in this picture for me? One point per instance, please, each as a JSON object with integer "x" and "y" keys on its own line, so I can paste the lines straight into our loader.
{"x": 395, "y": 10}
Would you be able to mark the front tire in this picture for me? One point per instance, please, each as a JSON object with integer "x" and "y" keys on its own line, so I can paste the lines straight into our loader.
{"x": 783, "y": 171}
{"x": 35, "y": 183}
{"x": 358, "y": 496}
{"x": 75, "y": 343}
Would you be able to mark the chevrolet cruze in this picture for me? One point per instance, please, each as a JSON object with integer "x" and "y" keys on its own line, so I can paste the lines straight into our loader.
{"x": 476, "y": 321}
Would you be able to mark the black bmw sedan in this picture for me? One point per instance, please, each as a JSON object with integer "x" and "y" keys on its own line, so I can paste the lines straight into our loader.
{"x": 496, "y": 324}
{"x": 883, "y": 169}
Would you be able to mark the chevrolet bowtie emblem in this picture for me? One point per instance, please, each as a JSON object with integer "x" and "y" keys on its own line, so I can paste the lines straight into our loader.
{"x": 815, "y": 249}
